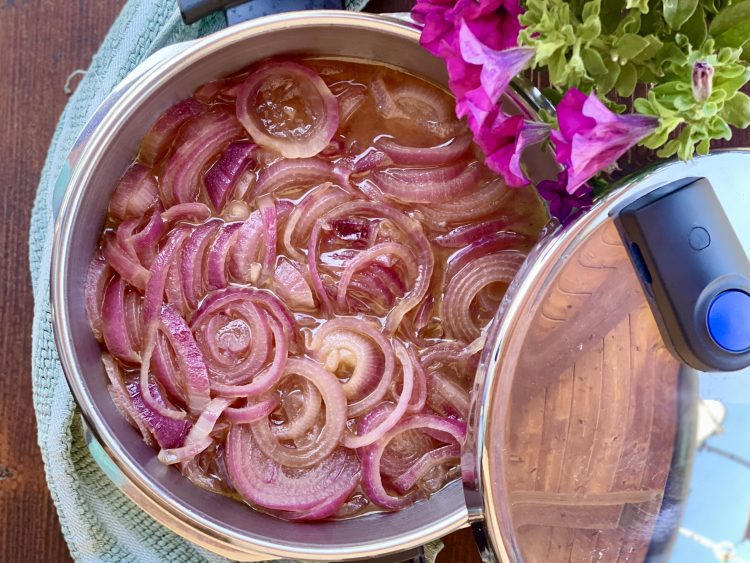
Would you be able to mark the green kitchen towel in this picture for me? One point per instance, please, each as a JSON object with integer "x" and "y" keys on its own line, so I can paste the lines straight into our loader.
{"x": 98, "y": 521}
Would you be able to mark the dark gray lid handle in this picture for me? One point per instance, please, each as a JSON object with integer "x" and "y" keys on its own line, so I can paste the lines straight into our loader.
{"x": 694, "y": 271}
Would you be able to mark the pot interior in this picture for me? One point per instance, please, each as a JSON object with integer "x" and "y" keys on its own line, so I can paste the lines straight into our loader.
{"x": 104, "y": 158}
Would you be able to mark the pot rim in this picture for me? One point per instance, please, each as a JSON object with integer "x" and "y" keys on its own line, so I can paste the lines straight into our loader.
{"x": 126, "y": 105}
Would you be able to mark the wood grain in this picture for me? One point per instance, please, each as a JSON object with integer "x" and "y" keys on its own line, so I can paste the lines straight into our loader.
{"x": 41, "y": 42}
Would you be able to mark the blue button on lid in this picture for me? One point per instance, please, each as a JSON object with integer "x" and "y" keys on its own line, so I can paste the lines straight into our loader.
{"x": 729, "y": 320}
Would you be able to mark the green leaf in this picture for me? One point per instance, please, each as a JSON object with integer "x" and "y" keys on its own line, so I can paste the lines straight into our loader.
{"x": 641, "y": 5}
{"x": 557, "y": 67}
{"x": 626, "y": 80}
{"x": 677, "y": 12}
{"x": 695, "y": 28}
{"x": 606, "y": 82}
{"x": 736, "y": 110}
{"x": 591, "y": 29}
{"x": 593, "y": 61}
{"x": 591, "y": 9}
{"x": 730, "y": 17}
{"x": 737, "y": 36}
{"x": 654, "y": 46}
{"x": 630, "y": 46}
{"x": 611, "y": 14}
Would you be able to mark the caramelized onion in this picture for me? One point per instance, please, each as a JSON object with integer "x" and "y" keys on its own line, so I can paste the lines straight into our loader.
{"x": 221, "y": 178}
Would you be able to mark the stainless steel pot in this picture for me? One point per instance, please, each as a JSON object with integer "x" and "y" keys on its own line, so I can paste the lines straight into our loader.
{"x": 104, "y": 151}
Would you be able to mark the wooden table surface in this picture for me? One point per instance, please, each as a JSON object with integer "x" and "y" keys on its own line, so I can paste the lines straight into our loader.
{"x": 41, "y": 43}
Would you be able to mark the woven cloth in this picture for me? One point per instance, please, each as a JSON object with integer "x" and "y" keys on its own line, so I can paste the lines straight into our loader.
{"x": 98, "y": 521}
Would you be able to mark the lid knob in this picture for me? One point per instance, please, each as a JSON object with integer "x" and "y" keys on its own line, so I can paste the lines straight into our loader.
{"x": 695, "y": 273}
{"x": 728, "y": 320}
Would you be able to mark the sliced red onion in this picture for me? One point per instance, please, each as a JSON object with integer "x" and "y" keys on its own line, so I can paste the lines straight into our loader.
{"x": 316, "y": 203}
{"x": 267, "y": 378}
{"x": 191, "y": 261}
{"x": 175, "y": 296}
{"x": 440, "y": 155}
{"x": 469, "y": 234}
{"x": 236, "y": 210}
{"x": 133, "y": 318}
{"x": 96, "y": 280}
{"x": 134, "y": 194}
{"x": 292, "y": 287}
{"x": 366, "y": 257}
{"x": 245, "y": 262}
{"x": 430, "y": 460}
{"x": 121, "y": 398}
{"x": 165, "y": 370}
{"x": 159, "y": 138}
{"x": 300, "y": 88}
{"x": 223, "y": 88}
{"x": 123, "y": 263}
{"x": 152, "y": 303}
{"x": 330, "y": 434}
{"x": 199, "y": 437}
{"x": 268, "y": 218}
{"x": 286, "y": 174}
{"x": 219, "y": 300}
{"x": 419, "y": 394}
{"x": 413, "y": 232}
{"x": 114, "y": 327}
{"x": 254, "y": 410}
{"x": 168, "y": 432}
{"x": 391, "y": 419}
{"x": 372, "y": 482}
{"x": 446, "y": 397}
{"x": 189, "y": 358}
{"x": 462, "y": 289}
{"x": 418, "y": 104}
{"x": 497, "y": 242}
{"x": 236, "y": 343}
{"x": 200, "y": 141}
{"x": 216, "y": 261}
{"x": 427, "y": 185}
{"x": 266, "y": 483}
{"x": 485, "y": 200}
{"x": 223, "y": 175}
{"x": 146, "y": 241}
{"x": 350, "y": 100}
{"x": 348, "y": 339}
{"x": 302, "y": 410}
{"x": 192, "y": 211}
{"x": 403, "y": 451}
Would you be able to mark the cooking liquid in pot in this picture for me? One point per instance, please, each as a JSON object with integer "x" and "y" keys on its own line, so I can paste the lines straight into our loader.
{"x": 284, "y": 305}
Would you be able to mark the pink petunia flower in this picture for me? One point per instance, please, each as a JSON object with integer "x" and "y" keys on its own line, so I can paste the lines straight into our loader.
{"x": 503, "y": 139}
{"x": 563, "y": 205}
{"x": 498, "y": 68}
{"x": 591, "y": 137}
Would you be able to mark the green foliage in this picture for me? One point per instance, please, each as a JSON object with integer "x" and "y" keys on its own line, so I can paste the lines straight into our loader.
{"x": 611, "y": 46}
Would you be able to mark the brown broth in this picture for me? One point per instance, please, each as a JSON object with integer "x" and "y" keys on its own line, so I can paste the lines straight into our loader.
{"x": 523, "y": 209}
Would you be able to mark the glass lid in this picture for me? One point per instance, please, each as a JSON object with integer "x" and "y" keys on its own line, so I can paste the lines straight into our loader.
{"x": 611, "y": 419}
